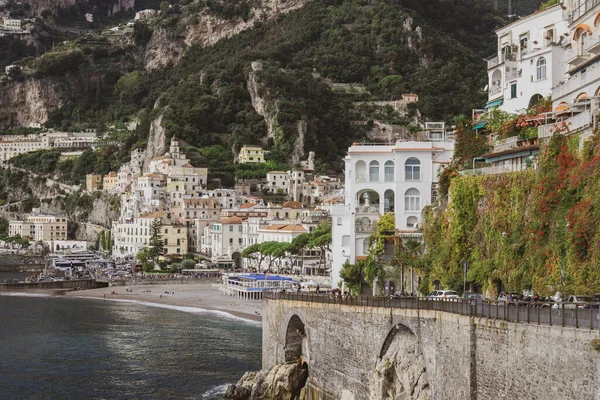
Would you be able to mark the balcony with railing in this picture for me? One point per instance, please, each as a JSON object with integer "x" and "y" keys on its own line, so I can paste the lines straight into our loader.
{"x": 575, "y": 123}
{"x": 581, "y": 8}
{"x": 505, "y": 144}
{"x": 494, "y": 90}
{"x": 577, "y": 82}
{"x": 593, "y": 45}
{"x": 496, "y": 170}
{"x": 577, "y": 56}
{"x": 493, "y": 62}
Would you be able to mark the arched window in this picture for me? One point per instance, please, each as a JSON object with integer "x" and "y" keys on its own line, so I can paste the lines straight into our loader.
{"x": 412, "y": 200}
{"x": 373, "y": 171}
{"x": 361, "y": 171}
{"x": 412, "y": 169}
{"x": 412, "y": 221}
{"x": 541, "y": 68}
{"x": 339, "y": 222}
{"x": 389, "y": 171}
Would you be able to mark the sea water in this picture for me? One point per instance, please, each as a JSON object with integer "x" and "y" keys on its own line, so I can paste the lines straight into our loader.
{"x": 70, "y": 348}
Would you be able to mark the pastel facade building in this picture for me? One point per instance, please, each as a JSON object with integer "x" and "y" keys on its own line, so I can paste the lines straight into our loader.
{"x": 93, "y": 182}
{"x": 40, "y": 227}
{"x": 251, "y": 155}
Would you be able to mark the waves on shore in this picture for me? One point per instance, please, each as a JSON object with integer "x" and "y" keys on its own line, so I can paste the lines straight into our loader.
{"x": 215, "y": 393}
{"x": 21, "y": 294}
{"x": 194, "y": 310}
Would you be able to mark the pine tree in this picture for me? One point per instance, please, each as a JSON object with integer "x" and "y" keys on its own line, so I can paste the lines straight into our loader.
{"x": 157, "y": 247}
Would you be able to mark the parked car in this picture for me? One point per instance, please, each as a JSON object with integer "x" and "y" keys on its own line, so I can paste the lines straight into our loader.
{"x": 595, "y": 302}
{"x": 577, "y": 301}
{"x": 504, "y": 297}
{"x": 474, "y": 296}
{"x": 443, "y": 294}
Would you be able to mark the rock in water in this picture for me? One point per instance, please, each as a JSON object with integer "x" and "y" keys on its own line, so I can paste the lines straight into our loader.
{"x": 282, "y": 382}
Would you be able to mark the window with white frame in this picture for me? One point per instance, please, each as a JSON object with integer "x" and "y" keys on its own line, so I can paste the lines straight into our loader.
{"x": 389, "y": 171}
{"x": 540, "y": 69}
{"x": 412, "y": 169}
{"x": 373, "y": 171}
{"x": 412, "y": 200}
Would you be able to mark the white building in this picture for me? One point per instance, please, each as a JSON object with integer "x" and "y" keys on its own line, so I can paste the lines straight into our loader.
{"x": 582, "y": 40}
{"x": 529, "y": 62}
{"x": 400, "y": 178}
{"x": 12, "y": 24}
{"x": 278, "y": 182}
{"x": 227, "y": 198}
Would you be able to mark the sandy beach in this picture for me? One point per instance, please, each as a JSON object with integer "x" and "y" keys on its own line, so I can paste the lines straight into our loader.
{"x": 197, "y": 295}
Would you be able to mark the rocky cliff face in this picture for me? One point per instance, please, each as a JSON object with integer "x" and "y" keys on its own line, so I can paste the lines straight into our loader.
{"x": 206, "y": 29}
{"x": 157, "y": 141}
{"x": 282, "y": 382}
{"x": 30, "y": 101}
{"x": 269, "y": 108}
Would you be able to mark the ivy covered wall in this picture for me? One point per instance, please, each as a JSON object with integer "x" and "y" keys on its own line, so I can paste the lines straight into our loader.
{"x": 536, "y": 229}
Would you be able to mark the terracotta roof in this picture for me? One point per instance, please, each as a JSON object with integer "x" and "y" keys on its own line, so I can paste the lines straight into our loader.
{"x": 247, "y": 205}
{"x": 187, "y": 165}
{"x": 153, "y": 175}
{"x": 361, "y": 258}
{"x": 276, "y": 172}
{"x": 231, "y": 220}
{"x": 157, "y": 214}
{"x": 285, "y": 228}
{"x": 292, "y": 204}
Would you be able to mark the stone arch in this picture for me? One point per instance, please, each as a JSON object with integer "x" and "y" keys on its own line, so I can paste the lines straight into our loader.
{"x": 368, "y": 197}
{"x": 237, "y": 259}
{"x": 294, "y": 338}
{"x": 581, "y": 97}
{"x": 401, "y": 370}
{"x": 597, "y": 92}
{"x": 534, "y": 100}
{"x": 389, "y": 201}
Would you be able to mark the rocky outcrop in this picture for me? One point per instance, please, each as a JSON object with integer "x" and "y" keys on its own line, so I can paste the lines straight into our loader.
{"x": 268, "y": 108}
{"x": 282, "y": 382}
{"x": 157, "y": 141}
{"x": 162, "y": 50}
{"x": 31, "y": 100}
{"x": 204, "y": 29}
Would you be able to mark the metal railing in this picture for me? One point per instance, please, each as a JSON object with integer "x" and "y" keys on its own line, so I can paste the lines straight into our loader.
{"x": 496, "y": 170}
{"x": 582, "y": 8}
{"x": 492, "y": 62}
{"x": 576, "y": 82}
{"x": 505, "y": 144}
{"x": 584, "y": 316}
{"x": 581, "y": 120}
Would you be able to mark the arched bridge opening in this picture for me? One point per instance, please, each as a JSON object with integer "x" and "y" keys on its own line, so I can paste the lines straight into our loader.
{"x": 294, "y": 337}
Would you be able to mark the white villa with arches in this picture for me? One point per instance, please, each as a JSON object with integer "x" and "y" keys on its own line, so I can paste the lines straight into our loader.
{"x": 400, "y": 178}
{"x": 529, "y": 62}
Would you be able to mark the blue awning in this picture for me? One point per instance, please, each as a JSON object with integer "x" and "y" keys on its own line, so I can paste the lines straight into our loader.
{"x": 494, "y": 103}
{"x": 479, "y": 125}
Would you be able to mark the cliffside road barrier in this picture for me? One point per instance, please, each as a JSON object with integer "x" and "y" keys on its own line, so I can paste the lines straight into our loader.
{"x": 586, "y": 316}
{"x": 74, "y": 284}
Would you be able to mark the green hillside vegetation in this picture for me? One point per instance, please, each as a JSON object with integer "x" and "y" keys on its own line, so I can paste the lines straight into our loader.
{"x": 205, "y": 100}
{"x": 526, "y": 230}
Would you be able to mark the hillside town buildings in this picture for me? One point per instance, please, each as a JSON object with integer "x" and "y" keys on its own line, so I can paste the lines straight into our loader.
{"x": 13, "y": 145}
{"x": 40, "y": 227}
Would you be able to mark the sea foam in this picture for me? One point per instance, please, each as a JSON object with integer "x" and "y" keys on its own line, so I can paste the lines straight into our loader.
{"x": 194, "y": 310}
{"x": 215, "y": 393}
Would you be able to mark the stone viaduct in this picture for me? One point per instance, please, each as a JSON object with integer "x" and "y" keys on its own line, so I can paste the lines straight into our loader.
{"x": 356, "y": 352}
